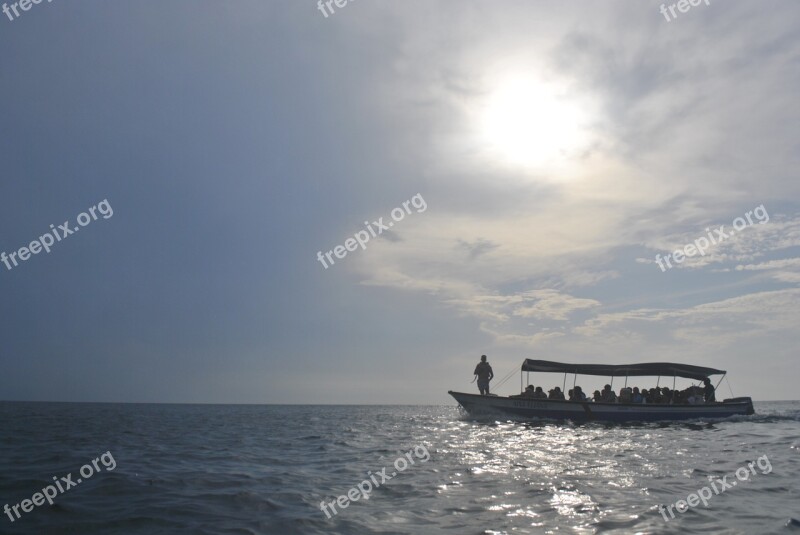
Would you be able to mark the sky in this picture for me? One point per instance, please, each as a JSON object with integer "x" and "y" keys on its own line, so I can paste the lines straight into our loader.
{"x": 550, "y": 155}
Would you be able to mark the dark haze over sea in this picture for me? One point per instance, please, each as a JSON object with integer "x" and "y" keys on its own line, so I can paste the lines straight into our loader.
{"x": 265, "y": 469}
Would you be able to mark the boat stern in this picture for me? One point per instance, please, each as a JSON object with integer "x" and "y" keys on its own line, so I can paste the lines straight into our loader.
{"x": 747, "y": 401}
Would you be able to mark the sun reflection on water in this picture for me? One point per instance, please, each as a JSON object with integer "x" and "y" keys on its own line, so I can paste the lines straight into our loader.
{"x": 551, "y": 471}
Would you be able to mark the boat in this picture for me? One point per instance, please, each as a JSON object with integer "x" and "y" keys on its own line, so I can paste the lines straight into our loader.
{"x": 527, "y": 408}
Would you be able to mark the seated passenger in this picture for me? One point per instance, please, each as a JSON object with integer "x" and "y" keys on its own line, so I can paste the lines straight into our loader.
{"x": 571, "y": 394}
{"x": 695, "y": 395}
{"x": 608, "y": 395}
{"x": 539, "y": 393}
{"x": 637, "y": 396}
{"x": 625, "y": 395}
{"x": 655, "y": 395}
{"x": 529, "y": 390}
{"x": 597, "y": 396}
{"x": 556, "y": 393}
{"x": 579, "y": 395}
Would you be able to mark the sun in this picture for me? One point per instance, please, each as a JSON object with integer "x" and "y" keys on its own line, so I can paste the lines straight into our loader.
{"x": 529, "y": 123}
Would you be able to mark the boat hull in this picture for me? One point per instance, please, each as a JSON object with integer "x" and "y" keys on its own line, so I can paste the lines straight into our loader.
{"x": 550, "y": 409}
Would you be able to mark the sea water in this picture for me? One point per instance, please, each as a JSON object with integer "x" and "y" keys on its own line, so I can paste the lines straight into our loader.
{"x": 253, "y": 469}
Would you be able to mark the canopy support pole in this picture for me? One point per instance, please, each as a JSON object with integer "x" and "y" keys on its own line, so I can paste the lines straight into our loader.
{"x": 720, "y": 380}
{"x": 564, "y": 387}
{"x": 725, "y": 376}
{"x": 659, "y": 381}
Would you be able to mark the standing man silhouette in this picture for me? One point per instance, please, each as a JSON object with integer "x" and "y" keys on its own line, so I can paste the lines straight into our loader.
{"x": 485, "y": 374}
{"x": 708, "y": 391}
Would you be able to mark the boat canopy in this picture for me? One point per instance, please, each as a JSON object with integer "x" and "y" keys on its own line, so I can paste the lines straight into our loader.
{"x": 622, "y": 370}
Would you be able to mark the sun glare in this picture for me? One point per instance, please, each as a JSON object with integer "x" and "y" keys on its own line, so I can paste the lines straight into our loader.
{"x": 533, "y": 124}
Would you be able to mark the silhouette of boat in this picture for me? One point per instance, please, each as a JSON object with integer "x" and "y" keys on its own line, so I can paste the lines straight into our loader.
{"x": 531, "y": 408}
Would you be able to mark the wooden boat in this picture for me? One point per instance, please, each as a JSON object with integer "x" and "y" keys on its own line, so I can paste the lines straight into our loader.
{"x": 528, "y": 408}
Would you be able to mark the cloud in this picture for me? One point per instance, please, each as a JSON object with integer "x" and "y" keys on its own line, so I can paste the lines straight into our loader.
{"x": 536, "y": 304}
{"x": 551, "y": 305}
{"x": 477, "y": 247}
{"x": 720, "y": 322}
{"x": 772, "y": 264}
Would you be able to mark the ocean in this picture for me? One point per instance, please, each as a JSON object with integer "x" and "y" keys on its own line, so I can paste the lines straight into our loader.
{"x": 253, "y": 469}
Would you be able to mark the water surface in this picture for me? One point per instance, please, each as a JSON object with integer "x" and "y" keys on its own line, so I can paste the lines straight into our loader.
{"x": 250, "y": 469}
